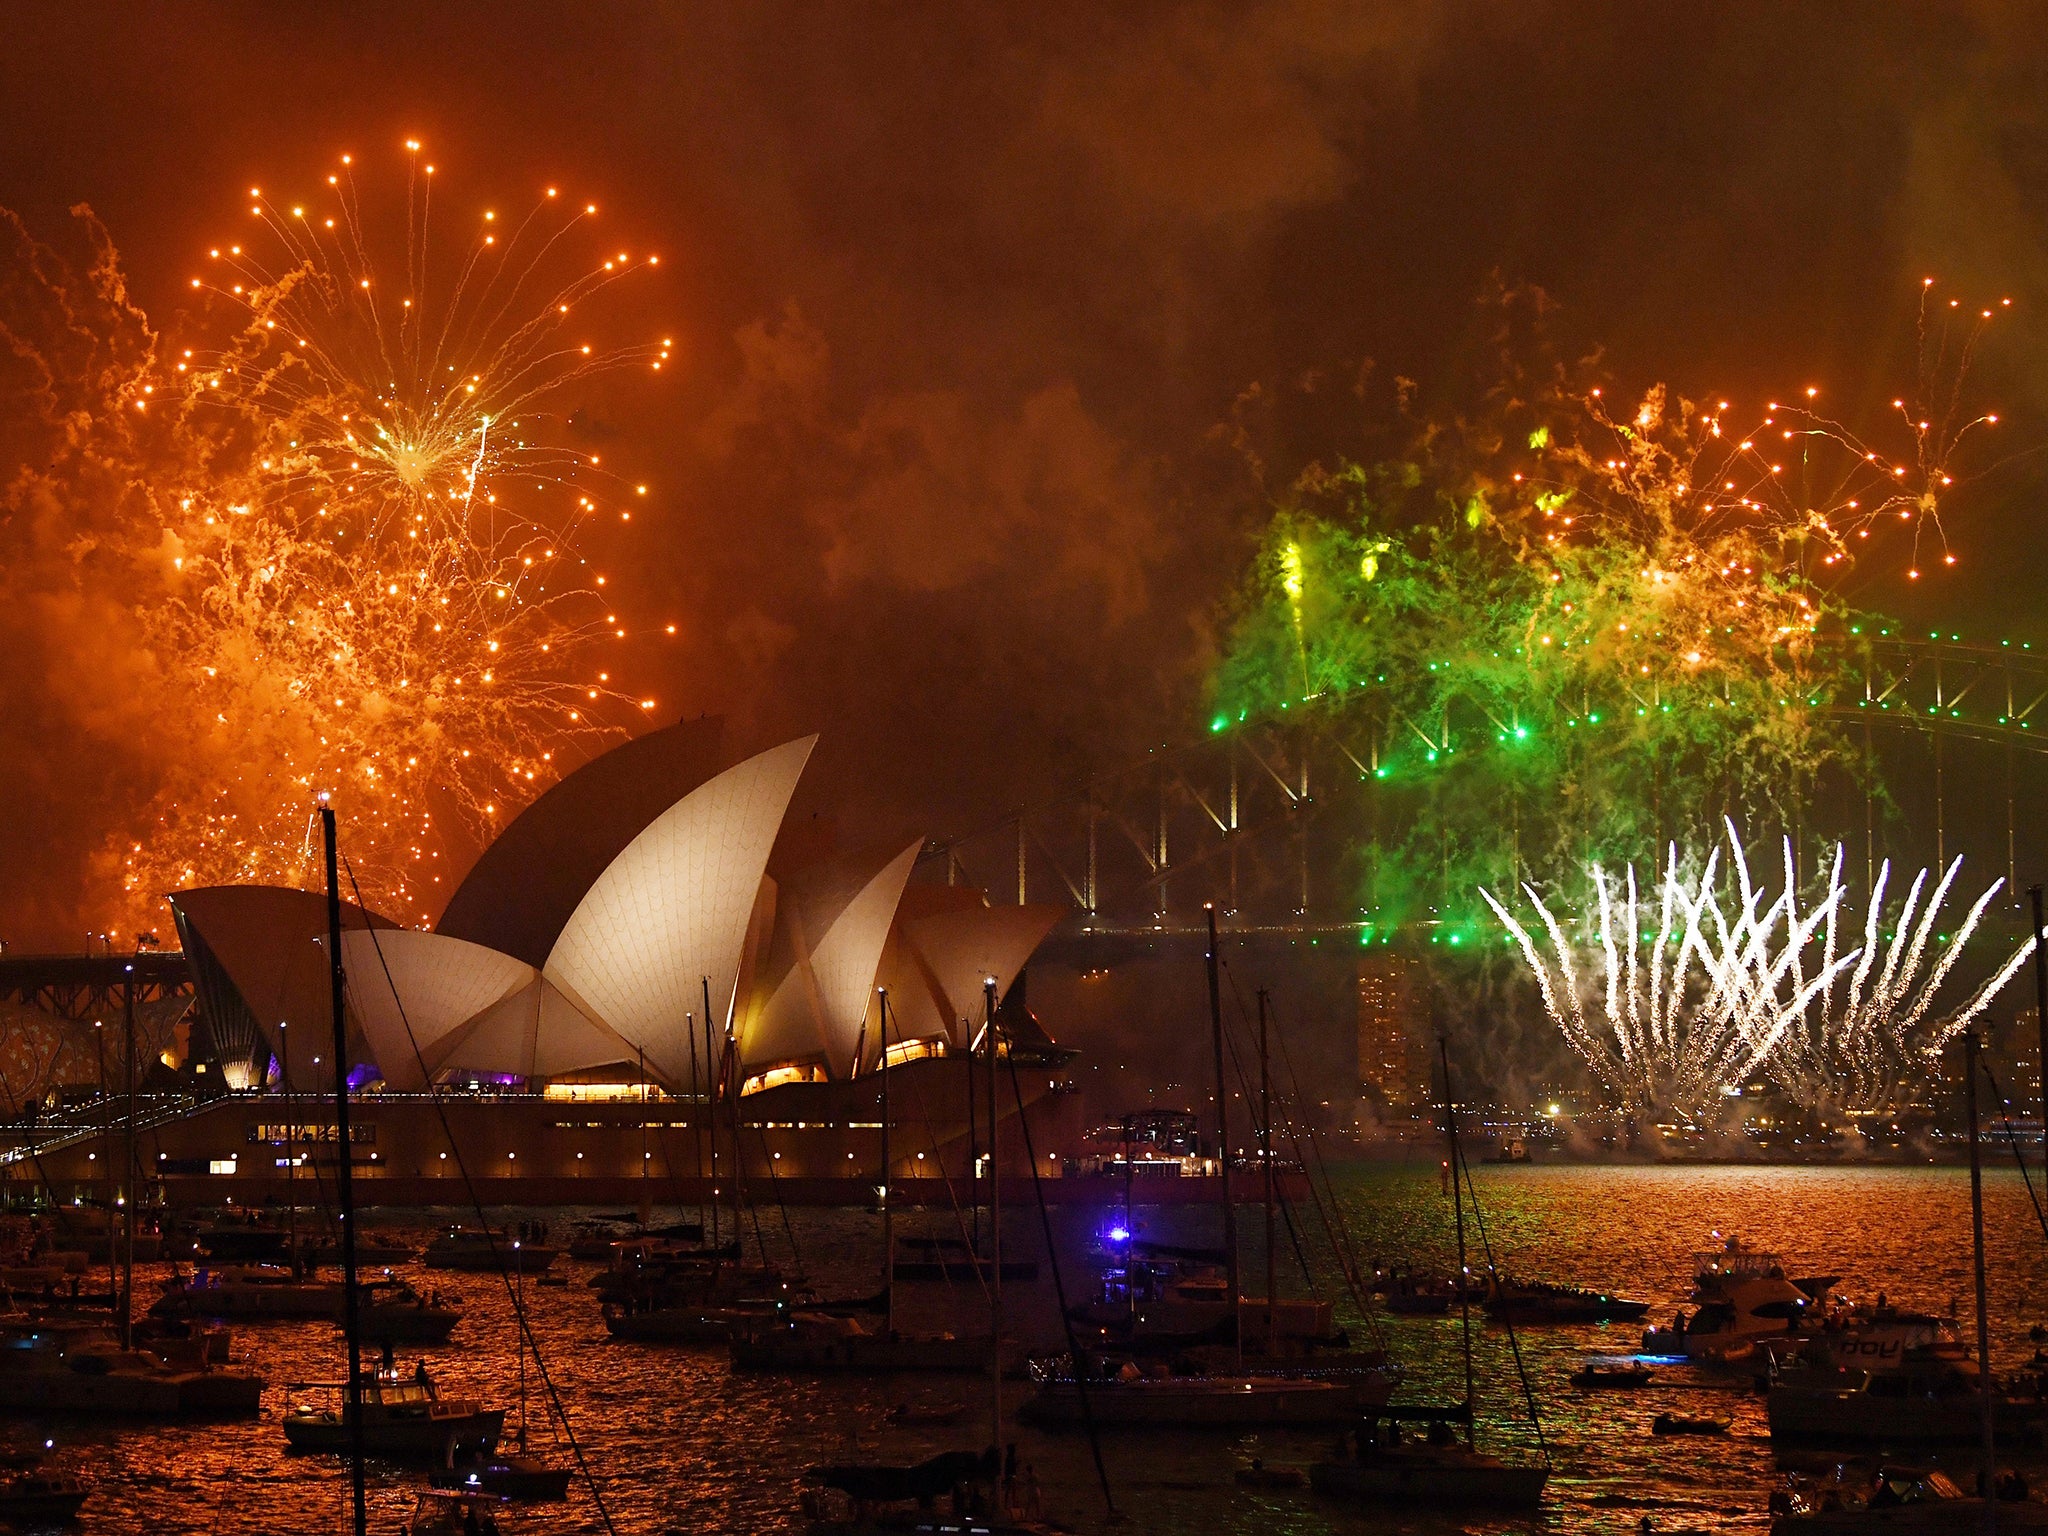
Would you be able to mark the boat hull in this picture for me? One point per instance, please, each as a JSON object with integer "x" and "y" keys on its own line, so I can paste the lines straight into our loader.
{"x": 674, "y": 1325}
{"x": 407, "y": 1325}
{"x": 196, "y": 1395}
{"x": 866, "y": 1354}
{"x": 1931, "y": 1517}
{"x": 506, "y": 1477}
{"x": 1453, "y": 1484}
{"x": 1851, "y": 1418}
{"x": 400, "y": 1437}
{"x": 1181, "y": 1403}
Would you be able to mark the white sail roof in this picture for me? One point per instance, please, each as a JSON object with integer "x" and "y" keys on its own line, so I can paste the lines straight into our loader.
{"x": 266, "y": 939}
{"x": 835, "y": 919}
{"x": 537, "y": 1032}
{"x": 674, "y": 907}
{"x": 430, "y": 982}
{"x": 945, "y": 943}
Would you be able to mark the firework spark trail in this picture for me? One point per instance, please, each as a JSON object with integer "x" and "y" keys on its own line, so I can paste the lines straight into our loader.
{"x": 1739, "y": 997}
{"x": 381, "y": 584}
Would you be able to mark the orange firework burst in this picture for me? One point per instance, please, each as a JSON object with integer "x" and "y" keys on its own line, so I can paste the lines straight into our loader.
{"x": 377, "y": 580}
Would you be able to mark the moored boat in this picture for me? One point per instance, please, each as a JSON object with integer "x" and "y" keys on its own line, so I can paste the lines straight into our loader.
{"x": 403, "y": 1416}
{"x": 1133, "y": 1399}
{"x": 1899, "y": 1501}
{"x": 82, "y": 1370}
{"x": 1931, "y": 1402}
{"x": 505, "y": 1475}
{"x": 41, "y": 1498}
{"x": 1597, "y": 1375}
{"x": 389, "y": 1311}
{"x": 445, "y": 1512}
{"x": 810, "y": 1341}
{"x": 1436, "y": 1472}
{"x": 245, "y": 1292}
{"x": 466, "y": 1248}
{"x": 1538, "y": 1301}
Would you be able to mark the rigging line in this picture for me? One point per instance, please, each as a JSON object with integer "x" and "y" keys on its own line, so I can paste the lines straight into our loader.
{"x": 1336, "y": 1232}
{"x": 1507, "y": 1313}
{"x": 775, "y": 1189}
{"x": 1059, "y": 1285}
{"x": 2013, "y": 1142}
{"x": 952, "y": 1196}
{"x": 476, "y": 1204}
{"x": 1261, "y": 1130}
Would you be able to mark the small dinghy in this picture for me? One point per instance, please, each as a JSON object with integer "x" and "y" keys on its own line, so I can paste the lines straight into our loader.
{"x": 1259, "y": 1475}
{"x": 1688, "y": 1424}
{"x": 1593, "y": 1378}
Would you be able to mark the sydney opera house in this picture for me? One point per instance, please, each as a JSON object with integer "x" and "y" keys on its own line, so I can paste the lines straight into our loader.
{"x": 653, "y": 959}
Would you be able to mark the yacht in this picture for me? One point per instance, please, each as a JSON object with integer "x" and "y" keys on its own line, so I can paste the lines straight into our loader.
{"x": 1740, "y": 1297}
{"x": 1169, "y": 1295}
{"x": 248, "y": 1291}
{"x": 455, "y": 1513}
{"x": 1134, "y": 1397}
{"x": 815, "y": 1341}
{"x": 54, "y": 1368}
{"x": 468, "y": 1249}
{"x": 404, "y": 1415}
{"x": 389, "y": 1311}
{"x": 1928, "y": 1401}
{"x": 41, "y": 1498}
{"x": 869, "y": 1500}
{"x": 1898, "y": 1501}
{"x": 505, "y": 1475}
{"x": 1434, "y": 1473}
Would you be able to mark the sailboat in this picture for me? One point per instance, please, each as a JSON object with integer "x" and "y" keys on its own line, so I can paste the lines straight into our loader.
{"x": 1438, "y": 1472}
{"x": 868, "y": 1500}
{"x": 1231, "y": 1393}
{"x": 809, "y": 1340}
{"x": 388, "y": 1412}
{"x": 507, "y": 1474}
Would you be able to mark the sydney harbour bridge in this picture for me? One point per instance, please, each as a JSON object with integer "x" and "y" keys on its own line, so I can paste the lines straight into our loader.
{"x": 1273, "y": 819}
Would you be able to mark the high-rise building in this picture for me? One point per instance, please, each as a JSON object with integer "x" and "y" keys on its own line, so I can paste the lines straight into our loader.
{"x": 1393, "y": 1031}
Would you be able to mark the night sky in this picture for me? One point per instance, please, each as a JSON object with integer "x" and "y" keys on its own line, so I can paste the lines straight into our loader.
{"x": 965, "y": 298}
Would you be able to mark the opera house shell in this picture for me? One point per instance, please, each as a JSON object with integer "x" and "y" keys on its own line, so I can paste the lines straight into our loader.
{"x": 655, "y": 923}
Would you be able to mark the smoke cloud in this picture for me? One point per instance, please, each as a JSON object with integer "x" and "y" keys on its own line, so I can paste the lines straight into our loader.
{"x": 962, "y": 298}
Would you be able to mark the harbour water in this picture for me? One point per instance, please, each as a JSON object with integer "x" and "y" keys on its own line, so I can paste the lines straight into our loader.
{"x": 678, "y": 1442}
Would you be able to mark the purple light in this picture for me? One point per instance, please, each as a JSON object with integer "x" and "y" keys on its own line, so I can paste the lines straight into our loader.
{"x": 1119, "y": 1235}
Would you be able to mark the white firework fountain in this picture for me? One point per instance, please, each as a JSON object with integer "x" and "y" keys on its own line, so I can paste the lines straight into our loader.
{"x": 1735, "y": 983}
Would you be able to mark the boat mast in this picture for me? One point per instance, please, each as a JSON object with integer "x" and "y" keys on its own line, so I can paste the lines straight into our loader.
{"x": 995, "y": 1236}
{"x": 1223, "y": 1146}
{"x": 710, "y": 1111}
{"x": 128, "y": 1168}
{"x": 345, "y": 1188}
{"x": 646, "y": 1203}
{"x": 519, "y": 1336}
{"x": 973, "y": 1143}
{"x": 1266, "y": 1156}
{"x": 1458, "y": 1207}
{"x": 1989, "y": 1473}
{"x": 888, "y": 1206}
{"x": 729, "y": 1085}
{"x": 2041, "y": 1005}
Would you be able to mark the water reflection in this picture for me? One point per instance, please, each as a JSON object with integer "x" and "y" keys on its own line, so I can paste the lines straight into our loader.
{"x": 680, "y": 1443}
